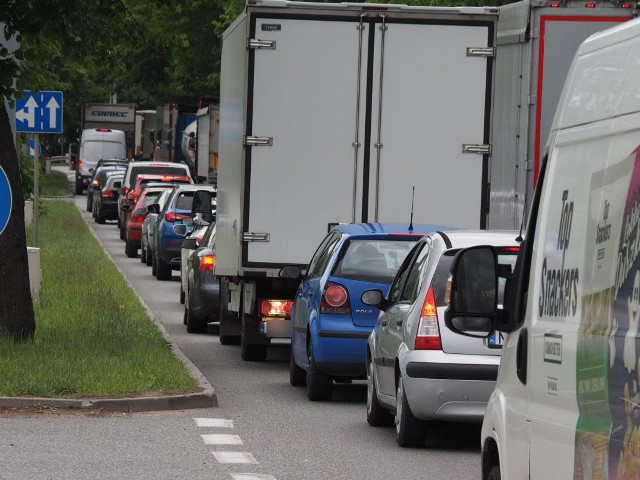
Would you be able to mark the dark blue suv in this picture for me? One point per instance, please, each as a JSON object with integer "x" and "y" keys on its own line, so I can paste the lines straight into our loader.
{"x": 168, "y": 243}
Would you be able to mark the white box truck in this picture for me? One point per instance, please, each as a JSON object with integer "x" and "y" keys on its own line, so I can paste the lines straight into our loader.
{"x": 536, "y": 42}
{"x": 145, "y": 124}
{"x": 333, "y": 113}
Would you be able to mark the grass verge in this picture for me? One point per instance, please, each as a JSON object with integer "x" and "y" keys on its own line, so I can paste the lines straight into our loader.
{"x": 93, "y": 337}
{"x": 55, "y": 184}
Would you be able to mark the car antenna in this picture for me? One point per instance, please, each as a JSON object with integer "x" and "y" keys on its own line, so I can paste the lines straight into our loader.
{"x": 413, "y": 191}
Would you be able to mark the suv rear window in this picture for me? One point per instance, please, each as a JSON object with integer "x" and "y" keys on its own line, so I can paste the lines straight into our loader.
{"x": 372, "y": 260}
{"x": 135, "y": 171}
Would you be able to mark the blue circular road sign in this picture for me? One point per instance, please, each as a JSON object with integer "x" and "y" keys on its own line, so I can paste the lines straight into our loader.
{"x": 6, "y": 200}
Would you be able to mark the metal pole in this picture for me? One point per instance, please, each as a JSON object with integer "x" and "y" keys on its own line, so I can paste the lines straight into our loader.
{"x": 36, "y": 195}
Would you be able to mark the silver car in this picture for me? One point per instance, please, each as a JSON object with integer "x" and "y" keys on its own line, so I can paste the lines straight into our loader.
{"x": 418, "y": 369}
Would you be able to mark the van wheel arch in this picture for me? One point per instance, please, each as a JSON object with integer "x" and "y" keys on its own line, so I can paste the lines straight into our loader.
{"x": 490, "y": 457}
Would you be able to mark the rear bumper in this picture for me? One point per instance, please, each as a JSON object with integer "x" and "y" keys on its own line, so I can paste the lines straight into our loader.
{"x": 441, "y": 386}
{"x": 342, "y": 353}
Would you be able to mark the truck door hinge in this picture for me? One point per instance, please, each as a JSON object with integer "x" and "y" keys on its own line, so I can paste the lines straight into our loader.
{"x": 250, "y": 141}
{"x": 488, "y": 52}
{"x": 255, "y": 237}
{"x": 266, "y": 44}
{"x": 476, "y": 148}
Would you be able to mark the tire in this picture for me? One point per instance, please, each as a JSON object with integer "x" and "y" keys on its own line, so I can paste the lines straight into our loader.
{"x": 149, "y": 257}
{"x": 153, "y": 265}
{"x": 297, "y": 375}
{"x": 319, "y": 384}
{"x": 250, "y": 352}
{"x": 122, "y": 231}
{"x": 100, "y": 217}
{"x": 143, "y": 253}
{"x": 410, "y": 432}
{"x": 377, "y": 415}
{"x": 193, "y": 324}
{"x": 88, "y": 202}
{"x": 182, "y": 294}
{"x": 163, "y": 269}
{"x": 78, "y": 188}
{"x": 225, "y": 319}
{"x": 130, "y": 249}
{"x": 494, "y": 473}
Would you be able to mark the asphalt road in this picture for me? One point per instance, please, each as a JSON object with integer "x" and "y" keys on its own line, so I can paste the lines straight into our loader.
{"x": 269, "y": 423}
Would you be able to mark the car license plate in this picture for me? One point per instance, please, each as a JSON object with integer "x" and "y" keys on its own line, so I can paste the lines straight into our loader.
{"x": 496, "y": 340}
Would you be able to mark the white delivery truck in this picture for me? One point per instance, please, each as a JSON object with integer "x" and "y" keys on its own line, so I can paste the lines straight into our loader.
{"x": 333, "y": 113}
{"x": 536, "y": 41}
{"x": 567, "y": 400}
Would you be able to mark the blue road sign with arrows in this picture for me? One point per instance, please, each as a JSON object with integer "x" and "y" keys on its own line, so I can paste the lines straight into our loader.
{"x": 6, "y": 200}
{"x": 40, "y": 112}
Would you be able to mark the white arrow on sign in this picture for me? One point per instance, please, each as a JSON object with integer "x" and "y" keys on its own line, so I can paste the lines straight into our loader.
{"x": 53, "y": 107}
{"x": 28, "y": 112}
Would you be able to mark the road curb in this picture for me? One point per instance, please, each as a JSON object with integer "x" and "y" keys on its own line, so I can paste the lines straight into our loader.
{"x": 205, "y": 398}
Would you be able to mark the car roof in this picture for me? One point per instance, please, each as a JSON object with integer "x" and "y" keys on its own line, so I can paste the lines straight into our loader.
{"x": 152, "y": 163}
{"x": 468, "y": 238}
{"x": 190, "y": 186}
{"x": 386, "y": 228}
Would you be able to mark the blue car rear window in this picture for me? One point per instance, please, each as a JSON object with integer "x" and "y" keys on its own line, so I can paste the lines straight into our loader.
{"x": 372, "y": 260}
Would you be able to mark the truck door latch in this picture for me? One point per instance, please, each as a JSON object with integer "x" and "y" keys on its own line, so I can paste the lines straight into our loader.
{"x": 476, "y": 148}
{"x": 255, "y": 237}
{"x": 266, "y": 44}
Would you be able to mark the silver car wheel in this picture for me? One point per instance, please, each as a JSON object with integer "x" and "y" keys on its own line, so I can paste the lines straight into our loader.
{"x": 399, "y": 398}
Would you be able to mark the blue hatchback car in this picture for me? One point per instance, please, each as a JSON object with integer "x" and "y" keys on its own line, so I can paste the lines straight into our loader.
{"x": 330, "y": 323}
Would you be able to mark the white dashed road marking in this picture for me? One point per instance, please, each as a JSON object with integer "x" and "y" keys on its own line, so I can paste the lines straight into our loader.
{"x": 252, "y": 476}
{"x": 234, "y": 457}
{"x": 221, "y": 439}
{"x": 214, "y": 422}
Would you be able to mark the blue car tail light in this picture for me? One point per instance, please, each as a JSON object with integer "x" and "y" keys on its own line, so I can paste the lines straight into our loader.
{"x": 335, "y": 299}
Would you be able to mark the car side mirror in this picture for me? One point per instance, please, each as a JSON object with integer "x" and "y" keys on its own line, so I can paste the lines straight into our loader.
{"x": 153, "y": 208}
{"x": 290, "y": 271}
{"x": 473, "y": 301}
{"x": 374, "y": 298}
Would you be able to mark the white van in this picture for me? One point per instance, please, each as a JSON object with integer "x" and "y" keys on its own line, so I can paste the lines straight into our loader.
{"x": 567, "y": 399}
{"x": 95, "y": 144}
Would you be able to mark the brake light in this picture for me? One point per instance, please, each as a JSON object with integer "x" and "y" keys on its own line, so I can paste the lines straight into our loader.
{"x": 174, "y": 217}
{"x": 428, "y": 334}
{"x": 103, "y": 129}
{"x": 80, "y": 163}
{"x": 510, "y": 249}
{"x": 108, "y": 193}
{"x": 276, "y": 308}
{"x": 207, "y": 262}
{"x": 555, "y": 4}
{"x": 590, "y": 5}
{"x": 625, "y": 5}
{"x": 126, "y": 190}
{"x": 335, "y": 299}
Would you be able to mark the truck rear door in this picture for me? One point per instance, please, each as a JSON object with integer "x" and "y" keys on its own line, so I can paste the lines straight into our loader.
{"x": 300, "y": 169}
{"x": 431, "y": 97}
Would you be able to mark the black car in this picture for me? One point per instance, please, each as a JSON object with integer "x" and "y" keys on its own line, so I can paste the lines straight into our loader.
{"x": 202, "y": 288}
{"x": 98, "y": 180}
{"x": 105, "y": 203}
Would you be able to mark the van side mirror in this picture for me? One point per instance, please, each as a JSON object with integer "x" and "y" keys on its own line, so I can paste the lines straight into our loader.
{"x": 473, "y": 299}
{"x": 375, "y": 298}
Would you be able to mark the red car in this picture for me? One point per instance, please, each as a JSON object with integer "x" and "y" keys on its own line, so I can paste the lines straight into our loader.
{"x": 135, "y": 218}
{"x": 142, "y": 180}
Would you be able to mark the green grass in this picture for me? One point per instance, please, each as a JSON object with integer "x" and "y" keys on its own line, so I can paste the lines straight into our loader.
{"x": 55, "y": 184}
{"x": 93, "y": 337}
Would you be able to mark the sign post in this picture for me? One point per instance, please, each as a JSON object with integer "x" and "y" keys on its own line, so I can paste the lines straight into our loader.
{"x": 37, "y": 113}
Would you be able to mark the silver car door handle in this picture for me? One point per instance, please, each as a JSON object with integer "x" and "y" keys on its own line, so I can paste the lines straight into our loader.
{"x": 383, "y": 323}
{"x": 399, "y": 322}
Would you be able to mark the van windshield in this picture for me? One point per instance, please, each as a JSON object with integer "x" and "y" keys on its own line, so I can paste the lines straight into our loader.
{"x": 94, "y": 151}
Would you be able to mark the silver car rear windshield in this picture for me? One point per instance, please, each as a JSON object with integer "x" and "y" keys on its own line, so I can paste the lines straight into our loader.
{"x": 372, "y": 260}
